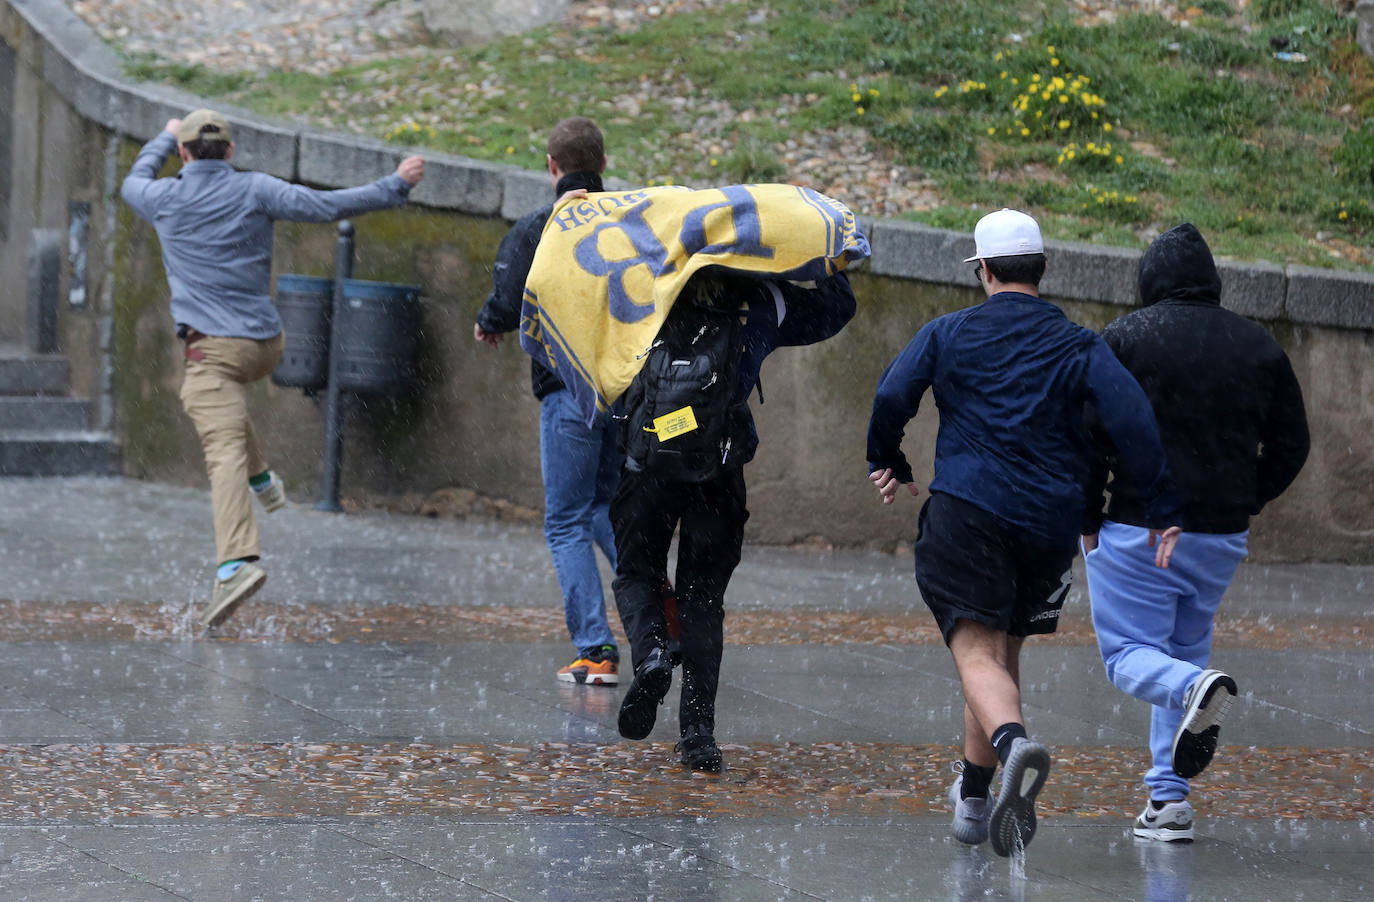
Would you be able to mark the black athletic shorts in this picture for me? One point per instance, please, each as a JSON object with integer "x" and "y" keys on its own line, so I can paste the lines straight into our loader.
{"x": 973, "y": 565}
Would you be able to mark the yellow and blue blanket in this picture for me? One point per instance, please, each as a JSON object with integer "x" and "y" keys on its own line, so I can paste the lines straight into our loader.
{"x": 609, "y": 266}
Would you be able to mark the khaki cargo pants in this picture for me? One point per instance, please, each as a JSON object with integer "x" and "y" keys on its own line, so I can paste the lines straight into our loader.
{"x": 213, "y": 395}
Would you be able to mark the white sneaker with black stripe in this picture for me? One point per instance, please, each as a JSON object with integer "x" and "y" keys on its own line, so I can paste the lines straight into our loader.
{"x": 1204, "y": 706}
{"x": 1172, "y": 823}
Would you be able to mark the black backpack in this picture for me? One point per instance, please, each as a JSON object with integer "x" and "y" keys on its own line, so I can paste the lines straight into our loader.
{"x": 680, "y": 411}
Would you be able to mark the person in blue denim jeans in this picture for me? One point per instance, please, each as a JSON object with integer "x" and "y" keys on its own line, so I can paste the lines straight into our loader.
{"x": 580, "y": 464}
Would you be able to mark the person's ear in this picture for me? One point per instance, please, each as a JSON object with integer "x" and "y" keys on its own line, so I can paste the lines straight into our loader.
{"x": 183, "y": 153}
{"x": 230, "y": 152}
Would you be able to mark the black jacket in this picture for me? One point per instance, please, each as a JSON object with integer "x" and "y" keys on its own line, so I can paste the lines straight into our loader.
{"x": 1229, "y": 408}
{"x": 501, "y": 312}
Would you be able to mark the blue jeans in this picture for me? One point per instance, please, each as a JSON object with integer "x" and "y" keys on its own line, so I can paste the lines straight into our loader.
{"x": 581, "y": 468}
{"x": 1154, "y": 627}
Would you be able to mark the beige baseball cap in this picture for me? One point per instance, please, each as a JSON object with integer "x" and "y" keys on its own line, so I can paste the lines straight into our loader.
{"x": 207, "y": 125}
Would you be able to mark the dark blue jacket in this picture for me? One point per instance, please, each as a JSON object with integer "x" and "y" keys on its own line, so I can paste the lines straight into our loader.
{"x": 501, "y": 312}
{"x": 1012, "y": 377}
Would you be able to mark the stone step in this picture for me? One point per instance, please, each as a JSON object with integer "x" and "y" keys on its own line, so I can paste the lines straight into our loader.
{"x": 38, "y": 412}
{"x": 31, "y": 452}
{"x": 34, "y": 375}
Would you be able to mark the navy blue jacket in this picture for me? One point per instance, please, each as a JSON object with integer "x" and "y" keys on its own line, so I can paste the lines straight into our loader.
{"x": 1012, "y": 378}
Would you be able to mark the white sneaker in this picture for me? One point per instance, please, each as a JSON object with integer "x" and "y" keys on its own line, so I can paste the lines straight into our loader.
{"x": 273, "y": 495}
{"x": 1172, "y": 823}
{"x": 970, "y": 824}
{"x": 1204, "y": 705}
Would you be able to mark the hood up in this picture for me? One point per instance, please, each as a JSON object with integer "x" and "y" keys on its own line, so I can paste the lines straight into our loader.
{"x": 1178, "y": 266}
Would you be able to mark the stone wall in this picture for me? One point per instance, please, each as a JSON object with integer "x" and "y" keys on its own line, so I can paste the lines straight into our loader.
{"x": 73, "y": 126}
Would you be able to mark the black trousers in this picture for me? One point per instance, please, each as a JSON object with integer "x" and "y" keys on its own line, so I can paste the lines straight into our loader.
{"x": 710, "y": 518}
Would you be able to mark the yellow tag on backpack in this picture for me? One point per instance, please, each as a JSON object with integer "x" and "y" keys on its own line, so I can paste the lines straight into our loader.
{"x": 671, "y": 425}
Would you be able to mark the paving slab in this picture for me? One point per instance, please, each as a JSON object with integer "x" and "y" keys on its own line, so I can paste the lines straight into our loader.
{"x": 382, "y": 722}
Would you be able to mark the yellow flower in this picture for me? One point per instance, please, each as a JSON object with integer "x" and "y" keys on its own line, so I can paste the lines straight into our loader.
{"x": 998, "y": 57}
{"x": 941, "y": 91}
{"x": 1039, "y": 113}
{"x": 1050, "y": 50}
{"x": 1119, "y": 159}
{"x": 1003, "y": 75}
{"x": 1024, "y": 131}
{"x": 1061, "y": 159}
{"x": 1016, "y": 81}
{"x": 1064, "y": 123}
{"x": 1094, "y": 115}
{"x": 853, "y": 86}
{"x": 873, "y": 92}
{"x": 510, "y": 150}
{"x": 715, "y": 162}
{"x": 855, "y": 97}
{"x": 1101, "y": 199}
{"x": 1069, "y": 154}
{"x": 1341, "y": 215}
{"x": 1063, "y": 99}
{"x": 1106, "y": 126}
{"x": 1054, "y": 61}
{"x": 859, "y": 110}
{"x": 1130, "y": 198}
{"x": 1035, "y": 76}
{"x": 992, "y": 131}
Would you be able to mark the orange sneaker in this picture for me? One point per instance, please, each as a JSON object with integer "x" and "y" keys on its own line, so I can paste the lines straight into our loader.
{"x": 594, "y": 667}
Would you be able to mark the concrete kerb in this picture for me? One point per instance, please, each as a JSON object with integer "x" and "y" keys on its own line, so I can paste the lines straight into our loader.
{"x": 1329, "y": 298}
{"x": 1254, "y": 289}
{"x": 54, "y": 41}
{"x": 524, "y": 192}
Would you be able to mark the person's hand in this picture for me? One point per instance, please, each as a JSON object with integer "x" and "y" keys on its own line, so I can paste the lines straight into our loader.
{"x": 569, "y": 195}
{"x": 173, "y": 126}
{"x": 1163, "y": 542}
{"x": 888, "y": 484}
{"x": 411, "y": 170}
{"x": 485, "y": 337}
{"x": 1089, "y": 544}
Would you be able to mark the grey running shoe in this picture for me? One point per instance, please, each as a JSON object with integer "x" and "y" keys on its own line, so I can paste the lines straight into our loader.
{"x": 231, "y": 592}
{"x": 1012, "y": 825}
{"x": 272, "y": 496}
{"x": 970, "y": 824}
{"x": 1172, "y": 823}
{"x": 1204, "y": 706}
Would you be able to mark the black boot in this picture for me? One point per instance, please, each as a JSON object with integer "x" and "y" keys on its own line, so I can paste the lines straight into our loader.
{"x": 699, "y": 750}
{"x": 639, "y": 709}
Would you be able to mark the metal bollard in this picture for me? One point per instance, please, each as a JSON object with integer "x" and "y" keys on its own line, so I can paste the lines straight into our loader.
{"x": 334, "y": 402}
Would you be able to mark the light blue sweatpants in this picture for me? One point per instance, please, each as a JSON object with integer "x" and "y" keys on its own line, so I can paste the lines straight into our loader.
{"x": 1154, "y": 627}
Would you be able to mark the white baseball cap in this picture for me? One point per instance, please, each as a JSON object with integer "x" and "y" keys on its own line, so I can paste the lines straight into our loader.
{"x": 1006, "y": 233}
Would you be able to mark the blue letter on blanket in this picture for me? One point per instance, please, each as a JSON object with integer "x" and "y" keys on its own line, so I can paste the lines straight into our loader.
{"x": 651, "y": 253}
{"x": 744, "y": 214}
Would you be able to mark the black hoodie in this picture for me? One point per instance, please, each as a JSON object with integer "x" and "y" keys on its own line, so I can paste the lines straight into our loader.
{"x": 1229, "y": 408}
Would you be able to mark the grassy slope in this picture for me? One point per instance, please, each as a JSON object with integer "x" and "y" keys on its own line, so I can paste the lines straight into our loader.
{"x": 1205, "y": 124}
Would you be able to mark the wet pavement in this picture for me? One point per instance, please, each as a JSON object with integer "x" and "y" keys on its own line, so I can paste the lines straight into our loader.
{"x": 382, "y": 721}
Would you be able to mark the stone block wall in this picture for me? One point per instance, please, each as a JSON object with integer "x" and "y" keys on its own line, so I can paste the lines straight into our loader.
{"x": 73, "y": 125}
